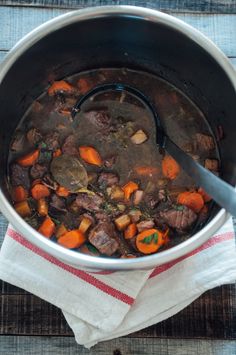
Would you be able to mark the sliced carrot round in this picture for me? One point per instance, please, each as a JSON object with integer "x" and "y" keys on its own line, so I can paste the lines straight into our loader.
{"x": 149, "y": 241}
{"x": 72, "y": 239}
{"x": 39, "y": 191}
{"x": 192, "y": 200}
{"x": 47, "y": 228}
{"x": 129, "y": 188}
{"x": 62, "y": 191}
{"x": 130, "y": 231}
{"x": 19, "y": 194}
{"x": 29, "y": 159}
{"x": 90, "y": 155}
{"x": 170, "y": 168}
{"x": 60, "y": 86}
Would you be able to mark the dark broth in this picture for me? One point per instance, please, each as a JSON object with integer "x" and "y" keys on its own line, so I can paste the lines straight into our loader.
{"x": 181, "y": 118}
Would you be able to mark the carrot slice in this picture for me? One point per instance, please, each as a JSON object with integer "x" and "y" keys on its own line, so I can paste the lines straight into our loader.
{"x": 90, "y": 155}
{"x": 47, "y": 228}
{"x": 42, "y": 207}
{"x": 72, "y": 239}
{"x": 59, "y": 86}
{"x": 57, "y": 153}
{"x": 129, "y": 188}
{"x": 192, "y": 200}
{"x": 23, "y": 208}
{"x": 149, "y": 241}
{"x": 62, "y": 191}
{"x": 146, "y": 170}
{"x": 19, "y": 194}
{"x": 170, "y": 168}
{"x": 205, "y": 196}
{"x": 29, "y": 159}
{"x": 39, "y": 191}
{"x": 130, "y": 231}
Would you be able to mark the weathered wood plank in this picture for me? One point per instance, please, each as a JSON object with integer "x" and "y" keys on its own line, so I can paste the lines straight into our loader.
{"x": 124, "y": 346}
{"x": 30, "y": 315}
{"x": 220, "y": 28}
{"x": 210, "y": 6}
{"x": 212, "y": 316}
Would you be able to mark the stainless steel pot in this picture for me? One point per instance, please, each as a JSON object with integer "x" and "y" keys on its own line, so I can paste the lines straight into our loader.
{"x": 119, "y": 36}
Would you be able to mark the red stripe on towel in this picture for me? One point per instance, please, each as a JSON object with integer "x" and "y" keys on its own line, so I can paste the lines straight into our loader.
{"x": 76, "y": 272}
{"x": 211, "y": 242}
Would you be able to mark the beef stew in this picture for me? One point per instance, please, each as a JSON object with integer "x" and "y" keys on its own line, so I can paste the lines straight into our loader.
{"x": 98, "y": 184}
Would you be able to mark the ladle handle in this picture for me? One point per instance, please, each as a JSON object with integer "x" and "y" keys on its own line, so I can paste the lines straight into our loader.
{"x": 223, "y": 193}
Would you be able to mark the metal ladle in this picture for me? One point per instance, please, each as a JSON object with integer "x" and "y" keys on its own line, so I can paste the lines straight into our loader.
{"x": 222, "y": 192}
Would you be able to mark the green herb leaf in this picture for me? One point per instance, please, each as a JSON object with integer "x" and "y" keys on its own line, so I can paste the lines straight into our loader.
{"x": 91, "y": 248}
{"x": 147, "y": 240}
{"x": 43, "y": 145}
{"x": 179, "y": 208}
{"x": 155, "y": 238}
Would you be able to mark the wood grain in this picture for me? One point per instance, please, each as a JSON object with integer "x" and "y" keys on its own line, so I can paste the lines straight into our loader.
{"x": 212, "y": 316}
{"x": 206, "y": 6}
{"x": 123, "y": 346}
{"x": 221, "y": 29}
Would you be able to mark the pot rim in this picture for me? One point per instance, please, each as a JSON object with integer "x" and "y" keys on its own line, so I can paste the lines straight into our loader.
{"x": 72, "y": 257}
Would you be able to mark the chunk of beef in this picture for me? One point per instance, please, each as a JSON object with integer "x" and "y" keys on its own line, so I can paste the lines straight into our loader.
{"x": 107, "y": 179}
{"x": 141, "y": 226}
{"x": 204, "y": 142}
{"x": 181, "y": 219}
{"x": 102, "y": 216}
{"x": 69, "y": 147}
{"x": 103, "y": 237}
{"x": 37, "y": 171}
{"x": 152, "y": 200}
{"x": 70, "y": 220}
{"x": 33, "y": 136}
{"x": 99, "y": 118}
{"x": 57, "y": 204}
{"x": 89, "y": 202}
{"x": 109, "y": 161}
{"x": 20, "y": 176}
{"x": 52, "y": 141}
{"x": 162, "y": 195}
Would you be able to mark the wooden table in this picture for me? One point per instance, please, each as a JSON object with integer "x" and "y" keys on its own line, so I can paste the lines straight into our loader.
{"x": 29, "y": 325}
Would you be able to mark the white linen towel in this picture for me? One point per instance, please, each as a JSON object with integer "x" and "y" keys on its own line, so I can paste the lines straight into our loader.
{"x": 104, "y": 305}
